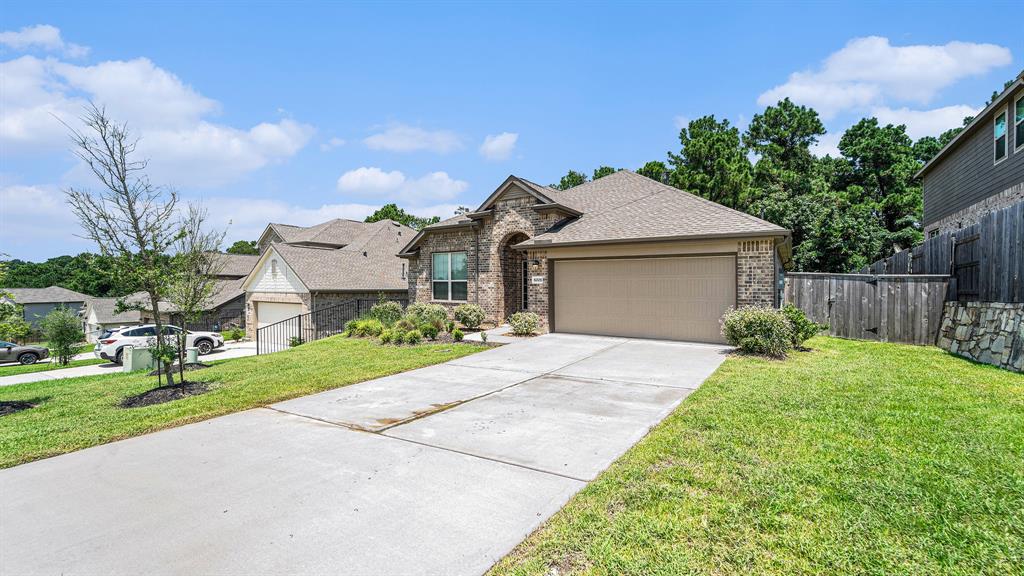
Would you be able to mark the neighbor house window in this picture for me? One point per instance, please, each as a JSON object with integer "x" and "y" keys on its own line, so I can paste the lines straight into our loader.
{"x": 449, "y": 276}
{"x": 1018, "y": 122}
{"x": 999, "y": 135}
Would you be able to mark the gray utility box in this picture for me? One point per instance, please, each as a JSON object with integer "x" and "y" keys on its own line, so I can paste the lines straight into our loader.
{"x": 137, "y": 359}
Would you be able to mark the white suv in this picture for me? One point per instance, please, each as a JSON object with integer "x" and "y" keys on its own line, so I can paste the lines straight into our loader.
{"x": 111, "y": 345}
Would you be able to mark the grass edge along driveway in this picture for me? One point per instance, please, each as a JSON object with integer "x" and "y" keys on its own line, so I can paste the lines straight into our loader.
{"x": 76, "y": 413}
{"x": 46, "y": 366}
{"x": 856, "y": 457}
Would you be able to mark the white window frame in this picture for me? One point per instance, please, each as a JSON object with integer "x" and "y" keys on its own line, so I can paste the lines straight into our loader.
{"x": 1018, "y": 143}
{"x": 1006, "y": 135}
{"x": 449, "y": 281}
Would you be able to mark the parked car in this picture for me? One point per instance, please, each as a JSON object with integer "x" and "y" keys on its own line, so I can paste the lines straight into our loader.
{"x": 111, "y": 346}
{"x": 24, "y": 354}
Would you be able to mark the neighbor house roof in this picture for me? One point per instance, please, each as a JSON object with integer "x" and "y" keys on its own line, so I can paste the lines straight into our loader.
{"x": 337, "y": 232}
{"x": 226, "y": 290}
{"x": 626, "y": 206}
{"x": 236, "y": 265}
{"x": 979, "y": 119}
{"x": 104, "y": 308}
{"x": 46, "y": 295}
{"x": 367, "y": 262}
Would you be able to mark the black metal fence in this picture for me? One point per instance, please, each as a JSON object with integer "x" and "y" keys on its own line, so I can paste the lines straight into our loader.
{"x": 312, "y": 326}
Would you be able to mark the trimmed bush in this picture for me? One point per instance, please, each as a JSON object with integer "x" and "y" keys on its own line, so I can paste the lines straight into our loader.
{"x": 524, "y": 323}
{"x": 234, "y": 334}
{"x": 450, "y": 327}
{"x": 404, "y": 325}
{"x": 457, "y": 335}
{"x": 364, "y": 327}
{"x": 429, "y": 330}
{"x": 386, "y": 312}
{"x": 801, "y": 326}
{"x": 758, "y": 330}
{"x": 413, "y": 337}
{"x": 387, "y": 335}
{"x": 470, "y": 315}
{"x": 420, "y": 312}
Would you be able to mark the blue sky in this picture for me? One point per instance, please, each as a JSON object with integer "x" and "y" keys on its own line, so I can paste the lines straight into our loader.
{"x": 299, "y": 113}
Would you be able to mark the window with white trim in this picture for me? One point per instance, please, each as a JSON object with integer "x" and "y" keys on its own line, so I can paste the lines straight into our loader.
{"x": 999, "y": 137}
{"x": 449, "y": 276}
{"x": 1018, "y": 123}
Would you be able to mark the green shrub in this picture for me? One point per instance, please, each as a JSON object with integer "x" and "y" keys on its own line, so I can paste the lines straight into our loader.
{"x": 63, "y": 329}
{"x": 234, "y": 334}
{"x": 386, "y": 312}
{"x": 429, "y": 330}
{"x": 470, "y": 315}
{"x": 413, "y": 337}
{"x": 802, "y": 328}
{"x": 420, "y": 312}
{"x": 457, "y": 335}
{"x": 404, "y": 325}
{"x": 524, "y": 323}
{"x": 371, "y": 327}
{"x": 758, "y": 330}
{"x": 450, "y": 327}
{"x": 351, "y": 327}
{"x": 295, "y": 341}
{"x": 387, "y": 335}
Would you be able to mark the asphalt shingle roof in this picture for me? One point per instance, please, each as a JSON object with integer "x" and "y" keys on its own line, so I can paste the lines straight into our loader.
{"x": 369, "y": 262}
{"x": 46, "y": 295}
{"x": 236, "y": 265}
{"x": 337, "y": 232}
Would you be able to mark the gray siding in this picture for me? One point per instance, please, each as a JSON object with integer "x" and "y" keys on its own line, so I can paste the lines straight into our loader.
{"x": 34, "y": 313}
{"x": 966, "y": 175}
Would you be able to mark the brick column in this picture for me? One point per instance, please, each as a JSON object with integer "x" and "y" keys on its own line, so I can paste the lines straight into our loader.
{"x": 755, "y": 273}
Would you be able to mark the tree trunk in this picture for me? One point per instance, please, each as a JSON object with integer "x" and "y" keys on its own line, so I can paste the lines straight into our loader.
{"x": 155, "y": 303}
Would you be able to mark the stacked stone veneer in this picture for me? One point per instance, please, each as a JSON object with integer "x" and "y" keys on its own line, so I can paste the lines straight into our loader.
{"x": 755, "y": 272}
{"x": 988, "y": 332}
{"x": 974, "y": 213}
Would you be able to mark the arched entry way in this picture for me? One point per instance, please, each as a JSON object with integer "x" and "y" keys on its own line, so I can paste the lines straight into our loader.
{"x": 513, "y": 275}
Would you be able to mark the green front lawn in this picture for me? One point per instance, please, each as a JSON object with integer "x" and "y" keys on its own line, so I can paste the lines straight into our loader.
{"x": 855, "y": 458}
{"x": 45, "y": 365}
{"x": 75, "y": 413}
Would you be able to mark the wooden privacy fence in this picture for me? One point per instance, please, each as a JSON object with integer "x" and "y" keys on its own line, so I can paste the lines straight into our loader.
{"x": 886, "y": 307}
{"x": 985, "y": 261}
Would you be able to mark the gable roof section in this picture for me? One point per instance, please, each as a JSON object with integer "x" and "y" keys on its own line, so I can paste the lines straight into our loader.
{"x": 104, "y": 308}
{"x": 236, "y": 265}
{"x": 626, "y": 206}
{"x": 980, "y": 118}
{"x": 46, "y": 295}
{"x": 368, "y": 263}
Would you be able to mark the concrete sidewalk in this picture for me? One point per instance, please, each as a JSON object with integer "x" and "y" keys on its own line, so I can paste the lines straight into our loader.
{"x": 441, "y": 470}
{"x": 230, "y": 350}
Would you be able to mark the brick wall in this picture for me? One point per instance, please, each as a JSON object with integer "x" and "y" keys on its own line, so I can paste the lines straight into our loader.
{"x": 755, "y": 271}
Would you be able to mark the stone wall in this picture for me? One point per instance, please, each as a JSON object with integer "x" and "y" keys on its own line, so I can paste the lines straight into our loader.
{"x": 755, "y": 271}
{"x": 988, "y": 332}
{"x": 973, "y": 213}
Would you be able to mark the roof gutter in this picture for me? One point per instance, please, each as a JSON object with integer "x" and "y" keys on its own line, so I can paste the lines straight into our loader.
{"x": 538, "y": 244}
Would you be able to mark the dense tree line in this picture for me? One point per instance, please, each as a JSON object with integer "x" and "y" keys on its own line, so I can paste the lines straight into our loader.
{"x": 87, "y": 273}
{"x": 844, "y": 211}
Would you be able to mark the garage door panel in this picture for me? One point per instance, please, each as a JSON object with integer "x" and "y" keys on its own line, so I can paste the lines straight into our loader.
{"x": 678, "y": 298}
{"x": 268, "y": 313}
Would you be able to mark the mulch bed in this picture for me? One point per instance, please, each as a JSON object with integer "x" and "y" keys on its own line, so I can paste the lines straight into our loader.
{"x": 165, "y": 394}
{"x": 12, "y": 406}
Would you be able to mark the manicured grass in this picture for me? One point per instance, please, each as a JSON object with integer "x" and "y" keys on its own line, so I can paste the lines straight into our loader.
{"x": 45, "y": 365}
{"x": 75, "y": 413}
{"x": 854, "y": 458}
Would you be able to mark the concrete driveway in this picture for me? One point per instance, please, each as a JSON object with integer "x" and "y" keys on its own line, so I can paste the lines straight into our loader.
{"x": 438, "y": 470}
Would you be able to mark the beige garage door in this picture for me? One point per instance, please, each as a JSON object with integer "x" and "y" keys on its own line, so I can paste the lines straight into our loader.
{"x": 268, "y": 313}
{"x": 678, "y": 298}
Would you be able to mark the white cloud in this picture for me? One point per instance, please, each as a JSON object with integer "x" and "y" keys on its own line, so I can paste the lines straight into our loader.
{"x": 394, "y": 185}
{"x": 499, "y": 146}
{"x": 168, "y": 116}
{"x": 405, "y": 138}
{"x": 870, "y": 71}
{"x": 43, "y": 37}
{"x": 925, "y": 122}
{"x": 35, "y": 223}
{"x": 331, "y": 144}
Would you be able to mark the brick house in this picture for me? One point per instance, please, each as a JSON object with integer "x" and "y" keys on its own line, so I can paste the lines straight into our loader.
{"x": 622, "y": 255}
{"x": 301, "y": 269}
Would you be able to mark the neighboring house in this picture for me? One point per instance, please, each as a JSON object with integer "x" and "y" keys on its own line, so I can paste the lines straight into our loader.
{"x": 304, "y": 269}
{"x": 980, "y": 170}
{"x": 100, "y": 314}
{"x": 227, "y": 303}
{"x": 623, "y": 255}
{"x": 36, "y": 303}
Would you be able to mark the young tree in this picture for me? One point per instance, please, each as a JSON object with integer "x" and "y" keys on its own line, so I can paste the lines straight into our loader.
{"x": 130, "y": 219}
{"x": 196, "y": 266}
{"x": 573, "y": 178}
{"x": 712, "y": 162}
{"x": 602, "y": 171}
{"x": 62, "y": 329}
{"x": 243, "y": 247}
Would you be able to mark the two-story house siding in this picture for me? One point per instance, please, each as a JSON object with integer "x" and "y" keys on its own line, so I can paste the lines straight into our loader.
{"x": 980, "y": 170}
